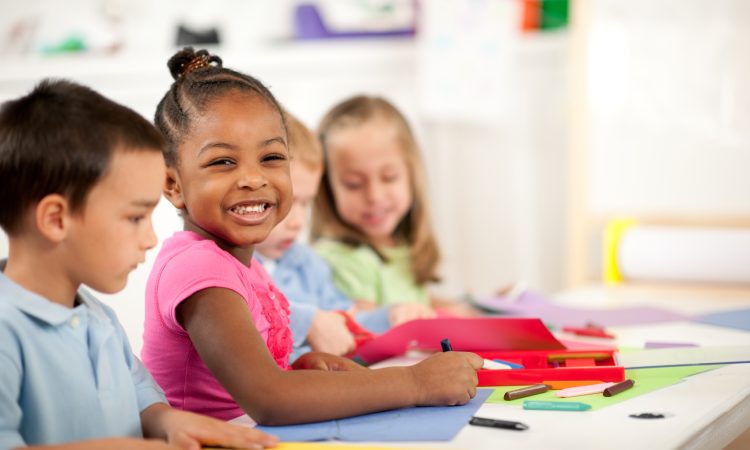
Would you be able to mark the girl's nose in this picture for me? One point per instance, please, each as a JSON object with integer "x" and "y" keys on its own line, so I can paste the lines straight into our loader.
{"x": 251, "y": 179}
{"x": 374, "y": 192}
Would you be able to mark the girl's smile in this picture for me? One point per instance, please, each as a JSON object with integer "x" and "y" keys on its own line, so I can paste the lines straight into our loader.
{"x": 251, "y": 212}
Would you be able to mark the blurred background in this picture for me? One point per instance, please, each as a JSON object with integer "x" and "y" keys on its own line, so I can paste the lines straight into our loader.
{"x": 538, "y": 120}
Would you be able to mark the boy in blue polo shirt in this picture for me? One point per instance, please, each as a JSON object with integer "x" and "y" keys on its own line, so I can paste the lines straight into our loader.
{"x": 79, "y": 178}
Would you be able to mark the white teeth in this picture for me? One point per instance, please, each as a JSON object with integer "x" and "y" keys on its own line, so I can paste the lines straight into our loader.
{"x": 254, "y": 209}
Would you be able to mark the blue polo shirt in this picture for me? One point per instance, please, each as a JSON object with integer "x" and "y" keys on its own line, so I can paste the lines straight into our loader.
{"x": 306, "y": 281}
{"x": 66, "y": 374}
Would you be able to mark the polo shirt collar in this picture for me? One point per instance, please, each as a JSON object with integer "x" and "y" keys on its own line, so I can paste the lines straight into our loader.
{"x": 39, "y": 307}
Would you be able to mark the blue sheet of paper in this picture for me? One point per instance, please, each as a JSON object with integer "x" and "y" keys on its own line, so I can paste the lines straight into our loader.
{"x": 426, "y": 423}
{"x": 737, "y": 318}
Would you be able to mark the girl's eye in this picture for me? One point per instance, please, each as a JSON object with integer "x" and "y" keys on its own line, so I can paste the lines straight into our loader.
{"x": 275, "y": 157}
{"x": 221, "y": 162}
{"x": 390, "y": 178}
{"x": 136, "y": 219}
{"x": 353, "y": 186}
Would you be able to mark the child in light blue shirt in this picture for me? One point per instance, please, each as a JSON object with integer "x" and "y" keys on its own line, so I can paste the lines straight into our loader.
{"x": 304, "y": 277}
{"x": 79, "y": 178}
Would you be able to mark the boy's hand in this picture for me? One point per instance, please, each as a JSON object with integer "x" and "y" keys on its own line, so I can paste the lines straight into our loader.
{"x": 325, "y": 361}
{"x": 404, "y": 312}
{"x": 191, "y": 431}
{"x": 328, "y": 333}
{"x": 448, "y": 378}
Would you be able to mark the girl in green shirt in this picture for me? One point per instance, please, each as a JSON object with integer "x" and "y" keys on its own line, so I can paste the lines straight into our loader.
{"x": 371, "y": 218}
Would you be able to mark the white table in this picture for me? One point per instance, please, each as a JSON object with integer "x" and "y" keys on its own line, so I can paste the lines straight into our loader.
{"x": 706, "y": 411}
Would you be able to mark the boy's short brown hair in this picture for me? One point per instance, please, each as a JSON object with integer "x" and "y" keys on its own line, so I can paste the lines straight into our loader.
{"x": 60, "y": 139}
{"x": 304, "y": 146}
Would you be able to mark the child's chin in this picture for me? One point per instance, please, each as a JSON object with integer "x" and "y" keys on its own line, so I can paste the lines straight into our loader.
{"x": 111, "y": 286}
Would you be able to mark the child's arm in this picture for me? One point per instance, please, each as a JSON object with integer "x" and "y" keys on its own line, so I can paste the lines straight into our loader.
{"x": 325, "y": 361}
{"x": 458, "y": 308}
{"x": 223, "y": 332}
{"x": 404, "y": 312}
{"x": 174, "y": 430}
{"x": 190, "y": 431}
{"x": 109, "y": 444}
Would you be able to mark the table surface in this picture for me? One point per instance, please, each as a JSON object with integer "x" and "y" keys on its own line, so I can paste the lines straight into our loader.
{"x": 705, "y": 411}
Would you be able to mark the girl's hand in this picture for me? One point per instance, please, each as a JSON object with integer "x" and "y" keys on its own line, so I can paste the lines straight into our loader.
{"x": 325, "y": 361}
{"x": 448, "y": 378}
{"x": 404, "y": 312}
{"x": 191, "y": 431}
{"x": 329, "y": 334}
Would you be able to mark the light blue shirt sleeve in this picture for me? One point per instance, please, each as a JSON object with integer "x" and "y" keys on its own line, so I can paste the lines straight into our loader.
{"x": 300, "y": 321}
{"x": 376, "y": 320}
{"x": 10, "y": 385}
{"x": 147, "y": 390}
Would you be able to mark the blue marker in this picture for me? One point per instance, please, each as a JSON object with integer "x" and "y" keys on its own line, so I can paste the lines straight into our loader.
{"x": 446, "y": 345}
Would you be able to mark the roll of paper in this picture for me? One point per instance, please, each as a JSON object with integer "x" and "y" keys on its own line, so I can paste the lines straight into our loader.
{"x": 662, "y": 253}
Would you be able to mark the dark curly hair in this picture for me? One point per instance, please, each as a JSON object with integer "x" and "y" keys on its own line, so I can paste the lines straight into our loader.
{"x": 199, "y": 78}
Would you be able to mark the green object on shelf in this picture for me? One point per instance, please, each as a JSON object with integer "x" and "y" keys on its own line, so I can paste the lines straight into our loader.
{"x": 71, "y": 44}
{"x": 554, "y": 14}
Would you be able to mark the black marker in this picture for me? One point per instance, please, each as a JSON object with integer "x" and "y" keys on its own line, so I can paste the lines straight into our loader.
{"x": 446, "y": 345}
{"x": 495, "y": 423}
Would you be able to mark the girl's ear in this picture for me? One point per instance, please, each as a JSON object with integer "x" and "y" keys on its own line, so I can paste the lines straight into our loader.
{"x": 173, "y": 188}
{"x": 52, "y": 217}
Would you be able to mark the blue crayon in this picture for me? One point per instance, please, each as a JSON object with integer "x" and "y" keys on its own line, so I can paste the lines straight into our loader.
{"x": 446, "y": 345}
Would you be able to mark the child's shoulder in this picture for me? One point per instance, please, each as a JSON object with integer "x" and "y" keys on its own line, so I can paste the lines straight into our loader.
{"x": 23, "y": 314}
{"x": 193, "y": 249}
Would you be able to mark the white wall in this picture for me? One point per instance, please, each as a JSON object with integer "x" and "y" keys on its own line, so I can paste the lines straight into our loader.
{"x": 495, "y": 152}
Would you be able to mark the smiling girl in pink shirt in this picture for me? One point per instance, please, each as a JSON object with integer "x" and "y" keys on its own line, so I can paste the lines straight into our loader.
{"x": 216, "y": 334}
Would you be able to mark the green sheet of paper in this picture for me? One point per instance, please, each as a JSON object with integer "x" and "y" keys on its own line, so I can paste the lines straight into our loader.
{"x": 646, "y": 380}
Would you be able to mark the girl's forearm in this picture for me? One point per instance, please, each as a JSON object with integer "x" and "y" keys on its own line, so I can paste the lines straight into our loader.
{"x": 289, "y": 398}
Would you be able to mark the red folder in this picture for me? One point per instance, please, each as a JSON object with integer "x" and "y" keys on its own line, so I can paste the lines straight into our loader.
{"x": 519, "y": 340}
{"x": 466, "y": 334}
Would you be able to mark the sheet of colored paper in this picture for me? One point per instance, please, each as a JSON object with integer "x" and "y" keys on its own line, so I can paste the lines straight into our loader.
{"x": 728, "y": 354}
{"x": 472, "y": 334}
{"x": 427, "y": 423}
{"x": 739, "y": 318}
{"x": 532, "y": 304}
{"x": 646, "y": 380}
{"x": 318, "y": 446}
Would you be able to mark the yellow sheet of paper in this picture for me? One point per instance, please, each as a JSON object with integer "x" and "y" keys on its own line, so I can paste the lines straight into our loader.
{"x": 322, "y": 446}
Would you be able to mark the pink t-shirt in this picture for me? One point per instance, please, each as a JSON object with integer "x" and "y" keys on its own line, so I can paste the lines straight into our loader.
{"x": 186, "y": 264}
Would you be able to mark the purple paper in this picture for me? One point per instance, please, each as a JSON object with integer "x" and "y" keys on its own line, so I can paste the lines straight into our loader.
{"x": 659, "y": 344}
{"x": 531, "y": 304}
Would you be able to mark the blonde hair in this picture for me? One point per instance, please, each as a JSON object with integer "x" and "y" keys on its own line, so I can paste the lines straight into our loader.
{"x": 415, "y": 227}
{"x": 304, "y": 146}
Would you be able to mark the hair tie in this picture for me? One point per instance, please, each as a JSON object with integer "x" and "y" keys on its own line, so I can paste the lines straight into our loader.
{"x": 199, "y": 61}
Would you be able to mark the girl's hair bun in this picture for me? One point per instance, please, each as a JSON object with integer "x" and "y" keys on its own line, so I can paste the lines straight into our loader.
{"x": 188, "y": 60}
